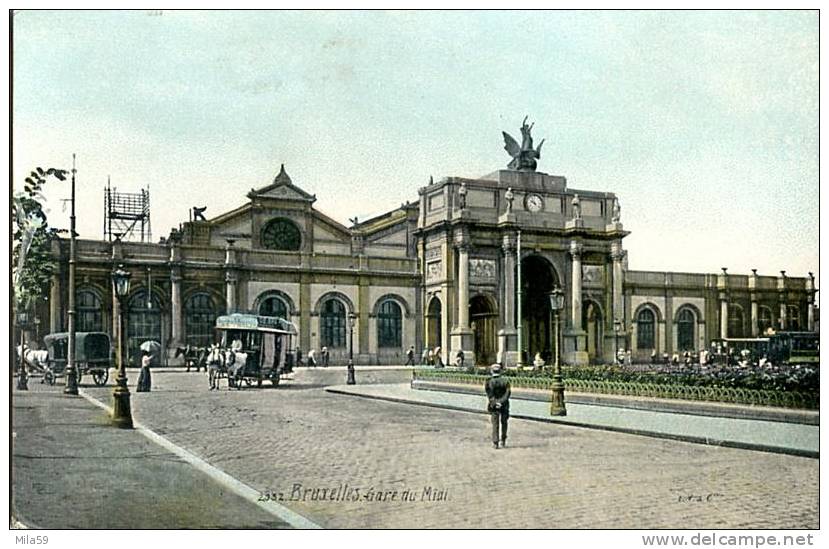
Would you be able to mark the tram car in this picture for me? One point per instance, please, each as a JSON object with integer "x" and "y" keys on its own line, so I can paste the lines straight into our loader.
{"x": 255, "y": 348}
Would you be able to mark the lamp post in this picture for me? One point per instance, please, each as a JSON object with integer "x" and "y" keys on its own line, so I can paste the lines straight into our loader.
{"x": 557, "y": 401}
{"x": 617, "y": 329}
{"x": 71, "y": 387}
{"x": 121, "y": 413}
{"x": 23, "y": 375}
{"x": 350, "y": 369}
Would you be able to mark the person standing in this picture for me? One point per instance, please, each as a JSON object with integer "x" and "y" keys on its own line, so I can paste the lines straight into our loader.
{"x": 424, "y": 357}
{"x": 144, "y": 380}
{"x": 298, "y": 356}
{"x": 324, "y": 353}
{"x": 312, "y": 358}
{"x": 410, "y": 356}
{"x": 498, "y": 393}
{"x": 438, "y": 358}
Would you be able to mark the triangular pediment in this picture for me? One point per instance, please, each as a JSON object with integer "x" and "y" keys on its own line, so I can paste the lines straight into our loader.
{"x": 282, "y": 188}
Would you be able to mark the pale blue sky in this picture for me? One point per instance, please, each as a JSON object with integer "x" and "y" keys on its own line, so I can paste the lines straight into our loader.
{"x": 704, "y": 123}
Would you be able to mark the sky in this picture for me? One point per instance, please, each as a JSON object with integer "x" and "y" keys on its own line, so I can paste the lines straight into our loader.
{"x": 705, "y": 124}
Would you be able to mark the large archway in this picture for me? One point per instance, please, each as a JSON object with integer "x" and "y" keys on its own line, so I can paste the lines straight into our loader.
{"x": 538, "y": 278}
{"x": 484, "y": 319}
{"x": 434, "y": 329}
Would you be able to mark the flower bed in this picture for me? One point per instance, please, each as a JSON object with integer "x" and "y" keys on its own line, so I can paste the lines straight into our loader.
{"x": 759, "y": 388}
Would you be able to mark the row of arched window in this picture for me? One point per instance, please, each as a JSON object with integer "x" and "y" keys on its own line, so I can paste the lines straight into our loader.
{"x": 200, "y": 312}
{"x": 686, "y": 325}
{"x": 334, "y": 321}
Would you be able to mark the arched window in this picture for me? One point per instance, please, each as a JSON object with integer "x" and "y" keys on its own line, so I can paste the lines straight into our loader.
{"x": 274, "y": 306}
{"x": 199, "y": 320}
{"x": 793, "y": 319}
{"x": 332, "y": 318}
{"x": 685, "y": 323}
{"x": 143, "y": 321}
{"x": 89, "y": 312}
{"x": 735, "y": 321}
{"x": 645, "y": 329}
{"x": 389, "y": 324}
{"x": 281, "y": 234}
{"x": 765, "y": 320}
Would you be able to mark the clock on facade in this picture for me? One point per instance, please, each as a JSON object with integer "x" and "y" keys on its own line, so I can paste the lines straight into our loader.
{"x": 533, "y": 203}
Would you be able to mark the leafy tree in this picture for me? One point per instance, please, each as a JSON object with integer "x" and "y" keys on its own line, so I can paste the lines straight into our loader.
{"x": 33, "y": 265}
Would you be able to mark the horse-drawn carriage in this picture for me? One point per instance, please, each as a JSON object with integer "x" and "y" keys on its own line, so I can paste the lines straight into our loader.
{"x": 93, "y": 355}
{"x": 253, "y": 348}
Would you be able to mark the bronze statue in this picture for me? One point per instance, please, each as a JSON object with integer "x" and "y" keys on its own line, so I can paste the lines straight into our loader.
{"x": 524, "y": 156}
{"x": 198, "y": 213}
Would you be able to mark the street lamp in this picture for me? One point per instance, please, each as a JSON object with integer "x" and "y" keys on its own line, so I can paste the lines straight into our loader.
{"x": 617, "y": 329}
{"x": 352, "y": 318}
{"x": 71, "y": 386}
{"x": 557, "y": 402}
{"x": 121, "y": 413}
{"x": 23, "y": 375}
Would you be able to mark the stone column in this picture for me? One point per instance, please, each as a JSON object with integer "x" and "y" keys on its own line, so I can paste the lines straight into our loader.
{"x": 507, "y": 335}
{"x": 54, "y": 304}
{"x": 575, "y": 295}
{"x": 575, "y": 338}
{"x": 509, "y": 281}
{"x": 752, "y": 287}
{"x": 463, "y": 286}
{"x": 810, "y": 309}
{"x": 617, "y": 254}
{"x": 781, "y": 290}
{"x": 230, "y": 291}
{"x": 175, "y": 307}
{"x": 230, "y": 278}
{"x": 722, "y": 286}
{"x": 462, "y": 337}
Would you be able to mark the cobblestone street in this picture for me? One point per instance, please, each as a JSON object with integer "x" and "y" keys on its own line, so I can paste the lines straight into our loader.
{"x": 298, "y": 440}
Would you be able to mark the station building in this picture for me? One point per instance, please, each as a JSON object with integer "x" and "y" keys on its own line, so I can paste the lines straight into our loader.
{"x": 467, "y": 266}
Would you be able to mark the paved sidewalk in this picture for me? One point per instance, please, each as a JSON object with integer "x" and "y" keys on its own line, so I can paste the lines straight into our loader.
{"x": 72, "y": 470}
{"x": 768, "y": 436}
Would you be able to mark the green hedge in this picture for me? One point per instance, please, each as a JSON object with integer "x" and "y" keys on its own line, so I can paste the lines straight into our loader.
{"x": 734, "y": 395}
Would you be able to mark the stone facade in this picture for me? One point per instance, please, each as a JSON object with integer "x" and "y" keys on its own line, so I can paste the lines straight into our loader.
{"x": 441, "y": 272}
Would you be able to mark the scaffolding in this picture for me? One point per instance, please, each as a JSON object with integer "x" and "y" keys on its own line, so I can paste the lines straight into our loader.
{"x": 127, "y": 215}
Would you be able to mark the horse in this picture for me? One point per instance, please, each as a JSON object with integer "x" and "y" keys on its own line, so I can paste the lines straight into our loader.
{"x": 193, "y": 356}
{"x": 38, "y": 360}
{"x": 215, "y": 360}
{"x": 235, "y": 362}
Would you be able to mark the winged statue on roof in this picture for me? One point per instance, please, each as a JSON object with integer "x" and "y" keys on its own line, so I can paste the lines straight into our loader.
{"x": 524, "y": 156}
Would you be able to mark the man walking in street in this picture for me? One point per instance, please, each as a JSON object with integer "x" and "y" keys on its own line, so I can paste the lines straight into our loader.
{"x": 410, "y": 356}
{"x": 498, "y": 393}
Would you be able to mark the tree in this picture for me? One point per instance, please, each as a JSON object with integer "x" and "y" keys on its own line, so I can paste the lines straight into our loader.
{"x": 33, "y": 264}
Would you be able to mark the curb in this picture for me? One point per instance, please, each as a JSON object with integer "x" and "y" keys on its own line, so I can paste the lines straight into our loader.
{"x": 706, "y": 409}
{"x": 640, "y": 432}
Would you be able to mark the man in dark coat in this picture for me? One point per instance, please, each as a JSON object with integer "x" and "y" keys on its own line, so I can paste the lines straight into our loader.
{"x": 498, "y": 393}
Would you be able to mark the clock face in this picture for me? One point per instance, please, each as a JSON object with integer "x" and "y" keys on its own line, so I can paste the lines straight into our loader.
{"x": 534, "y": 203}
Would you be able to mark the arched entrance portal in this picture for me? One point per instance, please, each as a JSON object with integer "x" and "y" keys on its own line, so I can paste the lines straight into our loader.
{"x": 434, "y": 330}
{"x": 483, "y": 318}
{"x": 538, "y": 278}
{"x": 592, "y": 320}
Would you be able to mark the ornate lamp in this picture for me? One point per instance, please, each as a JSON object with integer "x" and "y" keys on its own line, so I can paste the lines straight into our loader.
{"x": 557, "y": 407}
{"x": 121, "y": 412}
{"x": 22, "y": 319}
